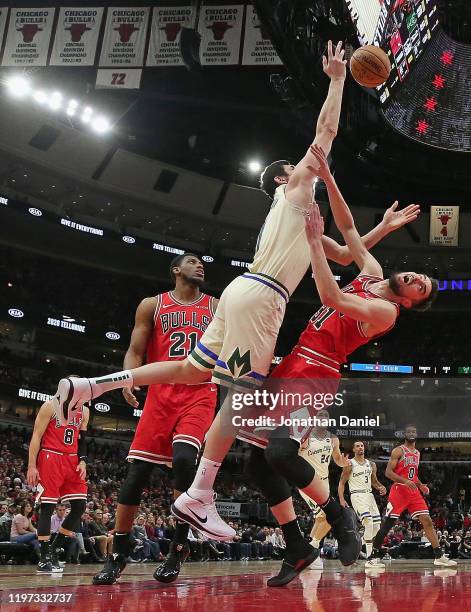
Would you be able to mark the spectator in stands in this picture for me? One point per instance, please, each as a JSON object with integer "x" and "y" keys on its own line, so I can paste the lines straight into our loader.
{"x": 330, "y": 547}
{"x": 170, "y": 528}
{"x": 160, "y": 532}
{"x": 99, "y": 531}
{"x": 22, "y": 529}
{"x": 464, "y": 550}
{"x": 9, "y": 514}
{"x": 71, "y": 550}
{"x": 150, "y": 550}
{"x": 89, "y": 542}
{"x": 279, "y": 544}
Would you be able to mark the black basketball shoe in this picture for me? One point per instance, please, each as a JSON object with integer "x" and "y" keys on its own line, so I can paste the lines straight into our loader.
{"x": 114, "y": 565}
{"x": 168, "y": 570}
{"x": 346, "y": 532}
{"x": 293, "y": 564}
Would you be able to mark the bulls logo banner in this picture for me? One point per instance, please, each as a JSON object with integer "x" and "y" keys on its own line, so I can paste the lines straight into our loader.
{"x": 28, "y": 37}
{"x": 167, "y": 24}
{"x": 125, "y": 36}
{"x": 220, "y": 28}
{"x": 258, "y": 48}
{"x": 444, "y": 224}
{"x": 76, "y": 36}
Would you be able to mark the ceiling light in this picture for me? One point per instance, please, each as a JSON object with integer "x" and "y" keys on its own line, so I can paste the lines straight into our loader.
{"x": 18, "y": 86}
{"x": 40, "y": 96}
{"x": 255, "y": 166}
{"x": 101, "y": 125}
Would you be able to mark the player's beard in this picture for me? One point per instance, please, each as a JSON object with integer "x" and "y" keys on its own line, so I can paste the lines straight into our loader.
{"x": 196, "y": 281}
{"x": 394, "y": 283}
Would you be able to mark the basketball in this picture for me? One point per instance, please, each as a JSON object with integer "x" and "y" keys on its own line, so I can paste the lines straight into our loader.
{"x": 370, "y": 66}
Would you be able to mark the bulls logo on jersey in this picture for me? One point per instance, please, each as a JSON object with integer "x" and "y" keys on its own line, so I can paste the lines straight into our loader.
{"x": 178, "y": 326}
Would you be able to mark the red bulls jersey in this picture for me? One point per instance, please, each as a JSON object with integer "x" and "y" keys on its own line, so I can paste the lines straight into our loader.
{"x": 408, "y": 464}
{"x": 178, "y": 326}
{"x": 330, "y": 335}
{"x": 62, "y": 438}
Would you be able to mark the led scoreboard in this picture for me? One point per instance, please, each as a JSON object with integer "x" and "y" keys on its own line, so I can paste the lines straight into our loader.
{"x": 401, "y": 27}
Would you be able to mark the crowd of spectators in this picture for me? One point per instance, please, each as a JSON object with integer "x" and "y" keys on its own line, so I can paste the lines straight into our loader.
{"x": 154, "y": 526}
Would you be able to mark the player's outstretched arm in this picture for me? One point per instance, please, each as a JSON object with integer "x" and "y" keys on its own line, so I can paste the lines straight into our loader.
{"x": 40, "y": 425}
{"x": 378, "y": 313}
{"x": 135, "y": 355}
{"x": 392, "y": 463}
{"x": 300, "y": 186}
{"x": 339, "y": 459}
{"x": 374, "y": 480}
{"x": 342, "y": 482}
{"x": 392, "y": 220}
{"x": 344, "y": 219}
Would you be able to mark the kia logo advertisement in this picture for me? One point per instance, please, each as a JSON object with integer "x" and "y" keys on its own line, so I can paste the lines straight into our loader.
{"x": 112, "y": 335}
{"x": 207, "y": 258}
{"x": 15, "y": 312}
{"x": 35, "y": 211}
{"x": 102, "y": 407}
{"x": 129, "y": 239}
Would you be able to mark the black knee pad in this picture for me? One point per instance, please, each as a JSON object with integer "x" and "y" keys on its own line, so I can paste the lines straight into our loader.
{"x": 137, "y": 478}
{"x": 273, "y": 485}
{"x": 44, "y": 522}
{"x": 184, "y": 465}
{"x": 282, "y": 455}
{"x": 72, "y": 520}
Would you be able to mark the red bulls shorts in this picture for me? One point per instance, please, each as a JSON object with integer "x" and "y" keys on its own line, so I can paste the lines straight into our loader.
{"x": 173, "y": 413}
{"x": 58, "y": 478}
{"x": 401, "y": 498}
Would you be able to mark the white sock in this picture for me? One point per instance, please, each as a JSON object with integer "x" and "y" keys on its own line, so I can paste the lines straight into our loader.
{"x": 205, "y": 475}
{"x": 369, "y": 549}
{"x": 119, "y": 380}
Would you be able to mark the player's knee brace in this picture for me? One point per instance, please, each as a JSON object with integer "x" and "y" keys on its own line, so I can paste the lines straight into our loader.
{"x": 72, "y": 520}
{"x": 184, "y": 465}
{"x": 368, "y": 525}
{"x": 274, "y": 486}
{"x": 282, "y": 455}
{"x": 137, "y": 478}
{"x": 44, "y": 522}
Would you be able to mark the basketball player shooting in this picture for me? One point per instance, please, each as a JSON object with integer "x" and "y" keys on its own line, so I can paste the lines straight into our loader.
{"x": 407, "y": 494}
{"x": 239, "y": 343}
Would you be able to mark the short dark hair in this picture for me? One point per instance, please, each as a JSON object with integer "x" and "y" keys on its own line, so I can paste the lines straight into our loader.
{"x": 176, "y": 261}
{"x": 267, "y": 178}
{"x": 426, "y": 304}
{"x": 409, "y": 425}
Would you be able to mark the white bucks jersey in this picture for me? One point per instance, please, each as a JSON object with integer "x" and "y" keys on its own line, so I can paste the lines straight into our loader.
{"x": 319, "y": 453}
{"x": 282, "y": 250}
{"x": 360, "y": 477}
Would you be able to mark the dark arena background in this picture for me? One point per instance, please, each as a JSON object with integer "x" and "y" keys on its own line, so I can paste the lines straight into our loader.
{"x": 133, "y": 133}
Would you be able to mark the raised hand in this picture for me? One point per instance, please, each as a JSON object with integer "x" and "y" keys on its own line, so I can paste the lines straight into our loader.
{"x": 322, "y": 170}
{"x": 334, "y": 65}
{"x": 314, "y": 225}
{"x": 394, "y": 219}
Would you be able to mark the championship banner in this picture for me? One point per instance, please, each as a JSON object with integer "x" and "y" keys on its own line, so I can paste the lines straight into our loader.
{"x": 258, "y": 48}
{"x": 444, "y": 222}
{"x": 28, "y": 37}
{"x": 125, "y": 36}
{"x": 167, "y": 24}
{"x": 3, "y": 21}
{"x": 220, "y": 28}
{"x": 76, "y": 36}
{"x": 115, "y": 78}
{"x": 228, "y": 509}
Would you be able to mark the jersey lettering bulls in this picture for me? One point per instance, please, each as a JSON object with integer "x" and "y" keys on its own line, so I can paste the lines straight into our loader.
{"x": 178, "y": 326}
{"x": 62, "y": 438}
{"x": 330, "y": 335}
{"x": 408, "y": 464}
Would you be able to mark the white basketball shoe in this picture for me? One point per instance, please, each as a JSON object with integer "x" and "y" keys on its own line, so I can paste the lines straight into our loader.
{"x": 199, "y": 510}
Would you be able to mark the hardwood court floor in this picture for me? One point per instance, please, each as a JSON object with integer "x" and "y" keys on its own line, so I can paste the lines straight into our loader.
{"x": 241, "y": 587}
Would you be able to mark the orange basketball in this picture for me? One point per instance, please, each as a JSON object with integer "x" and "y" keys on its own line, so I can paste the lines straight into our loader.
{"x": 370, "y": 66}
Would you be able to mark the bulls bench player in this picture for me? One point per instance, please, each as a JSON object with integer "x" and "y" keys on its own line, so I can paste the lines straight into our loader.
{"x": 406, "y": 494}
{"x": 349, "y": 318}
{"x": 175, "y": 418}
{"x": 57, "y": 467}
